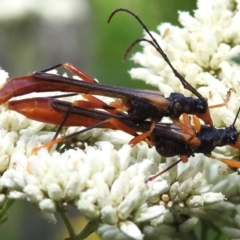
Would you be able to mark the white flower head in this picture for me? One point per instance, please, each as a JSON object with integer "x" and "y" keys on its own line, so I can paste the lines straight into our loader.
{"x": 201, "y": 51}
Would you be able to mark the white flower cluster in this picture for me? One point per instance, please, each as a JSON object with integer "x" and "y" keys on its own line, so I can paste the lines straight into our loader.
{"x": 201, "y": 51}
{"x": 107, "y": 180}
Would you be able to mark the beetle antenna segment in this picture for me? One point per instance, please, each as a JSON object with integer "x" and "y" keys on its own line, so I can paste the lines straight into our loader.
{"x": 236, "y": 117}
{"x": 134, "y": 43}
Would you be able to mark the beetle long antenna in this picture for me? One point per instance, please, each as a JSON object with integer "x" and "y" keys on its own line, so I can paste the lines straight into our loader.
{"x": 142, "y": 24}
{"x": 154, "y": 42}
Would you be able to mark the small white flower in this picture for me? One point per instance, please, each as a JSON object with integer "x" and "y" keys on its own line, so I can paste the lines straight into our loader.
{"x": 109, "y": 215}
{"x": 33, "y": 193}
{"x": 134, "y": 199}
{"x": 185, "y": 189}
{"x": 212, "y": 198}
{"x": 47, "y": 205}
{"x": 145, "y": 213}
{"x": 131, "y": 230}
{"x": 88, "y": 209}
{"x": 195, "y": 201}
{"x": 16, "y": 195}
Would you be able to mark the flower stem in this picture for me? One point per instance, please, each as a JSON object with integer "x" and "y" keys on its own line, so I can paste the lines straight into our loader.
{"x": 91, "y": 227}
{"x": 5, "y": 208}
{"x": 68, "y": 224}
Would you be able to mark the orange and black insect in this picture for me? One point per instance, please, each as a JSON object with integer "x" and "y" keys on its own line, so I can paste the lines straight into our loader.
{"x": 204, "y": 141}
{"x": 168, "y": 139}
{"x": 139, "y": 104}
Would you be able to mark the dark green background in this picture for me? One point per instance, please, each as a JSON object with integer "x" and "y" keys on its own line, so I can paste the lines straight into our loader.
{"x": 29, "y": 44}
